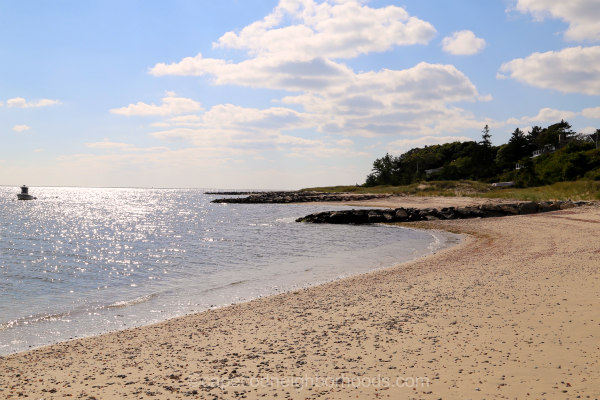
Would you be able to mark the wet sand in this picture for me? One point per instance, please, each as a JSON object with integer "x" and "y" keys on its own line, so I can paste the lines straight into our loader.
{"x": 511, "y": 312}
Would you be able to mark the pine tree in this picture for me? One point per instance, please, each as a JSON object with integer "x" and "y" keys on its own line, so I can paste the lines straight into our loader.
{"x": 487, "y": 142}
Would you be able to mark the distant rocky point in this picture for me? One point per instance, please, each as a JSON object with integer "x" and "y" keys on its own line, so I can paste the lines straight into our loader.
{"x": 233, "y": 193}
{"x": 370, "y": 216}
{"x": 294, "y": 197}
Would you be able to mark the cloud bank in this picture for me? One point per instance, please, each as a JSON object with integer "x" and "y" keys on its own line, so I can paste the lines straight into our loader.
{"x": 583, "y": 16}
{"x": 571, "y": 70}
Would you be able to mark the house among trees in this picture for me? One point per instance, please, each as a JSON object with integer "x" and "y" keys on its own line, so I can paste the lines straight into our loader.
{"x": 541, "y": 156}
{"x": 548, "y": 148}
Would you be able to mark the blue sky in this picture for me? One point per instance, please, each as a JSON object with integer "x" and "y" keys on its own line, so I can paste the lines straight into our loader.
{"x": 278, "y": 94}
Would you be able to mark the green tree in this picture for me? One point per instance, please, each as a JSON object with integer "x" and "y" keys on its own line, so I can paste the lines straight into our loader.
{"x": 555, "y": 134}
{"x": 486, "y": 136}
{"x": 517, "y": 148}
{"x": 382, "y": 171}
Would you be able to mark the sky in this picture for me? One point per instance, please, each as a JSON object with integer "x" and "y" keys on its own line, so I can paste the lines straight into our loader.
{"x": 278, "y": 94}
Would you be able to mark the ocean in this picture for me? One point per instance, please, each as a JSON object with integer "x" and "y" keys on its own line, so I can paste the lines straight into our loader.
{"x": 83, "y": 261}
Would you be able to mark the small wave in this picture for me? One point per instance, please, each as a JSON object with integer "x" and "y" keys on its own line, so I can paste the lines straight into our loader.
{"x": 436, "y": 244}
{"x": 216, "y": 288}
{"x": 287, "y": 220}
{"x": 32, "y": 319}
{"x": 126, "y": 303}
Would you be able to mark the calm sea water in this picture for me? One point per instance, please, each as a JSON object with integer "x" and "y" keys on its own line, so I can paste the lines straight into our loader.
{"x": 81, "y": 261}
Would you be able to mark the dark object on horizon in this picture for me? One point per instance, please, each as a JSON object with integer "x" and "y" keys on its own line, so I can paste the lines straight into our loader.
{"x": 24, "y": 195}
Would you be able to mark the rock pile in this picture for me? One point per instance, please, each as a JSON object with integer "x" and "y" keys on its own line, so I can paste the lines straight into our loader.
{"x": 298, "y": 197}
{"x": 369, "y": 216}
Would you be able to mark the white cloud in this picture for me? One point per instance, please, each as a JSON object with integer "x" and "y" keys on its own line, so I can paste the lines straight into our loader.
{"x": 293, "y": 48}
{"x": 463, "y": 43}
{"x": 21, "y": 128}
{"x": 408, "y": 102}
{"x": 583, "y": 16}
{"x": 230, "y": 125}
{"x": 229, "y": 129}
{"x": 272, "y": 72}
{"x": 170, "y": 105}
{"x": 552, "y": 115}
{"x": 571, "y": 70}
{"x": 588, "y": 130}
{"x": 411, "y": 101}
{"x": 593, "y": 112}
{"x": 405, "y": 144}
{"x": 526, "y": 129}
{"x": 545, "y": 114}
{"x": 181, "y": 120}
{"x": 332, "y": 29}
{"x": 20, "y": 102}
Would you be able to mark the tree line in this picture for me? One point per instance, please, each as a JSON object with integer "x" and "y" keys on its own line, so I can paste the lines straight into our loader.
{"x": 541, "y": 156}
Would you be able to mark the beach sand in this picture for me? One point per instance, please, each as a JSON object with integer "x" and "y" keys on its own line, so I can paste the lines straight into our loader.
{"x": 511, "y": 312}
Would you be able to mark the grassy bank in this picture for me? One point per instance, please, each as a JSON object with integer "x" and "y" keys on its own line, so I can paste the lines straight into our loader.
{"x": 434, "y": 188}
{"x": 576, "y": 190}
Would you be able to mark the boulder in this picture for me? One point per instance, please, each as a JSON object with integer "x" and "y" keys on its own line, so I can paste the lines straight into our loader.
{"x": 401, "y": 214}
{"x": 565, "y": 205}
{"x": 375, "y": 216}
{"x": 510, "y": 208}
{"x": 546, "y": 206}
{"x": 530, "y": 207}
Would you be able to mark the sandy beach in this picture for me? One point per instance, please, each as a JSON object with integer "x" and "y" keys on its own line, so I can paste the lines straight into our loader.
{"x": 511, "y": 312}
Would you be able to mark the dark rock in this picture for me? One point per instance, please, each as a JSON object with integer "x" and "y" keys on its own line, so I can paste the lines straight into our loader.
{"x": 565, "y": 205}
{"x": 364, "y": 216}
{"x": 510, "y": 208}
{"x": 448, "y": 213}
{"x": 530, "y": 207}
{"x": 296, "y": 197}
{"x": 375, "y": 216}
{"x": 389, "y": 215}
{"x": 400, "y": 213}
{"x": 546, "y": 206}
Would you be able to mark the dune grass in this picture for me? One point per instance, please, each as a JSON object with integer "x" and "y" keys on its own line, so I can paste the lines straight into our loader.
{"x": 575, "y": 190}
{"x": 432, "y": 188}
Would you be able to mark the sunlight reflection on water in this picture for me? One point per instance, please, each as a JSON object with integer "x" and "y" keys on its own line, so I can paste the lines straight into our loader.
{"x": 81, "y": 261}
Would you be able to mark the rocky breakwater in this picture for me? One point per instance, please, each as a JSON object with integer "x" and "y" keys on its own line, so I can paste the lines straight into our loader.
{"x": 370, "y": 216}
{"x": 298, "y": 197}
